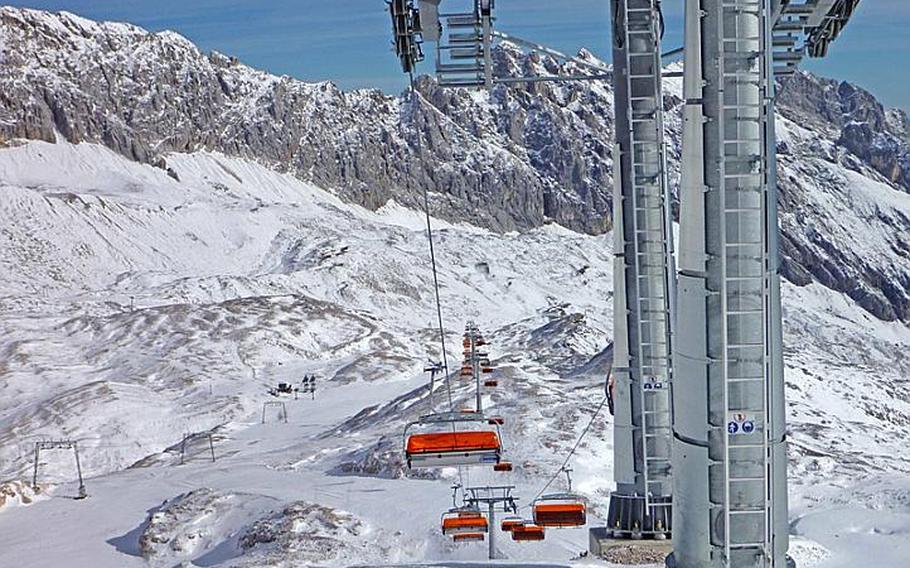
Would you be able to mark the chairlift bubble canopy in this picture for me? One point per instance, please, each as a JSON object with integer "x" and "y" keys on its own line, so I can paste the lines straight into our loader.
{"x": 453, "y": 441}
{"x": 560, "y": 510}
{"x": 464, "y": 521}
{"x": 509, "y": 523}
{"x": 527, "y": 532}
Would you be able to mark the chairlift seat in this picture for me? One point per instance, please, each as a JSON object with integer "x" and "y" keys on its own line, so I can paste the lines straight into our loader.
{"x": 491, "y": 383}
{"x": 468, "y": 537}
{"x": 508, "y": 524}
{"x": 461, "y": 524}
{"x": 502, "y": 466}
{"x": 453, "y": 448}
{"x": 560, "y": 511}
{"x": 527, "y": 533}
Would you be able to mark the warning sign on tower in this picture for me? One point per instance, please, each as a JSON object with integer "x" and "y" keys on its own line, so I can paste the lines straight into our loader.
{"x": 740, "y": 423}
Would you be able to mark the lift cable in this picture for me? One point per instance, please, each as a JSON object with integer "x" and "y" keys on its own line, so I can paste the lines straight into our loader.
{"x": 426, "y": 206}
{"x": 571, "y": 452}
{"x": 415, "y": 101}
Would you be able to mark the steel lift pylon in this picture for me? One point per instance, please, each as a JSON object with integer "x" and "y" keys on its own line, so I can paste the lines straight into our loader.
{"x": 730, "y": 454}
{"x": 724, "y": 392}
{"x": 644, "y": 279}
{"x": 730, "y": 449}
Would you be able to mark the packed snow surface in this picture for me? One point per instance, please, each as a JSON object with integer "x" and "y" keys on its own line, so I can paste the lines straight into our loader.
{"x": 139, "y": 307}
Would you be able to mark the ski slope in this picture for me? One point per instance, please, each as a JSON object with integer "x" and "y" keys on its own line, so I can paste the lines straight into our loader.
{"x": 241, "y": 277}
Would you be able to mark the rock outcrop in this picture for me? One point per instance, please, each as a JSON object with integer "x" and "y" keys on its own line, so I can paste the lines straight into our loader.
{"x": 512, "y": 159}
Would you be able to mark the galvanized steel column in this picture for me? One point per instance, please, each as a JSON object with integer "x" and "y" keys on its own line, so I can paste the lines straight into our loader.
{"x": 729, "y": 429}
{"x": 644, "y": 279}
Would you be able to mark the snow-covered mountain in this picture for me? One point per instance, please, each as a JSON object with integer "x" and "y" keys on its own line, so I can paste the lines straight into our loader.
{"x": 180, "y": 232}
{"x": 513, "y": 160}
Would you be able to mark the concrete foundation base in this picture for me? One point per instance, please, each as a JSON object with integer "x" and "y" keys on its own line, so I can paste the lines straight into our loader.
{"x": 627, "y": 552}
{"x": 630, "y": 517}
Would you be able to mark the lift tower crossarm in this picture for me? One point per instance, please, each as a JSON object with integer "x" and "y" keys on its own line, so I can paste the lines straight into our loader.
{"x": 806, "y": 28}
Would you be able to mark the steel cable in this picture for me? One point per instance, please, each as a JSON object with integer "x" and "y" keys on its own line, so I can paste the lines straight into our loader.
{"x": 571, "y": 452}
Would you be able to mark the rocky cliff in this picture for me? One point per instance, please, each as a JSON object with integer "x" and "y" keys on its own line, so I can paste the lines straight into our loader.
{"x": 512, "y": 159}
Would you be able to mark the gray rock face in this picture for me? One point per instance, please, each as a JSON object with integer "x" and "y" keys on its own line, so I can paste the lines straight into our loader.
{"x": 879, "y": 137}
{"x": 516, "y": 158}
{"x": 144, "y": 95}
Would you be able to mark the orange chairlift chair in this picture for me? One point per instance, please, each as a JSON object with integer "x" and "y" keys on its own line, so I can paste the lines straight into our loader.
{"x": 468, "y": 537}
{"x": 510, "y": 523}
{"x": 527, "y": 532}
{"x": 456, "y": 439}
{"x": 463, "y": 520}
{"x": 560, "y": 509}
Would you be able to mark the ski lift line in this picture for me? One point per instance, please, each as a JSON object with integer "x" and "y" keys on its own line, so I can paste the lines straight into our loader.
{"x": 426, "y": 207}
{"x": 571, "y": 452}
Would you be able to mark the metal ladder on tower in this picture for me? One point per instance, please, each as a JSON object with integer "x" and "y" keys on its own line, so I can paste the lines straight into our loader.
{"x": 742, "y": 127}
{"x": 650, "y": 245}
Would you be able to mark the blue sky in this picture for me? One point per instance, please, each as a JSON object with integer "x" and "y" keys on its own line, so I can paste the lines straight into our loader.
{"x": 347, "y": 41}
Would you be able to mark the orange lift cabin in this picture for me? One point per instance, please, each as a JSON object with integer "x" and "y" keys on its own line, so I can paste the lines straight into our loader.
{"x": 464, "y": 521}
{"x": 527, "y": 532}
{"x": 457, "y": 439}
{"x": 560, "y": 510}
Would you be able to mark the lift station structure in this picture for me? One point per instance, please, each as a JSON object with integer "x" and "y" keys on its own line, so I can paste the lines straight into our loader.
{"x": 698, "y": 367}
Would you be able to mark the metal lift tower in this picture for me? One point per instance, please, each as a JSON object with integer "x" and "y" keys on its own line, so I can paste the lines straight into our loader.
{"x": 644, "y": 279}
{"x": 729, "y": 454}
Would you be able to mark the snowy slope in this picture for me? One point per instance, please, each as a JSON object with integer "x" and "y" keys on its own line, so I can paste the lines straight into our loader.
{"x": 243, "y": 277}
